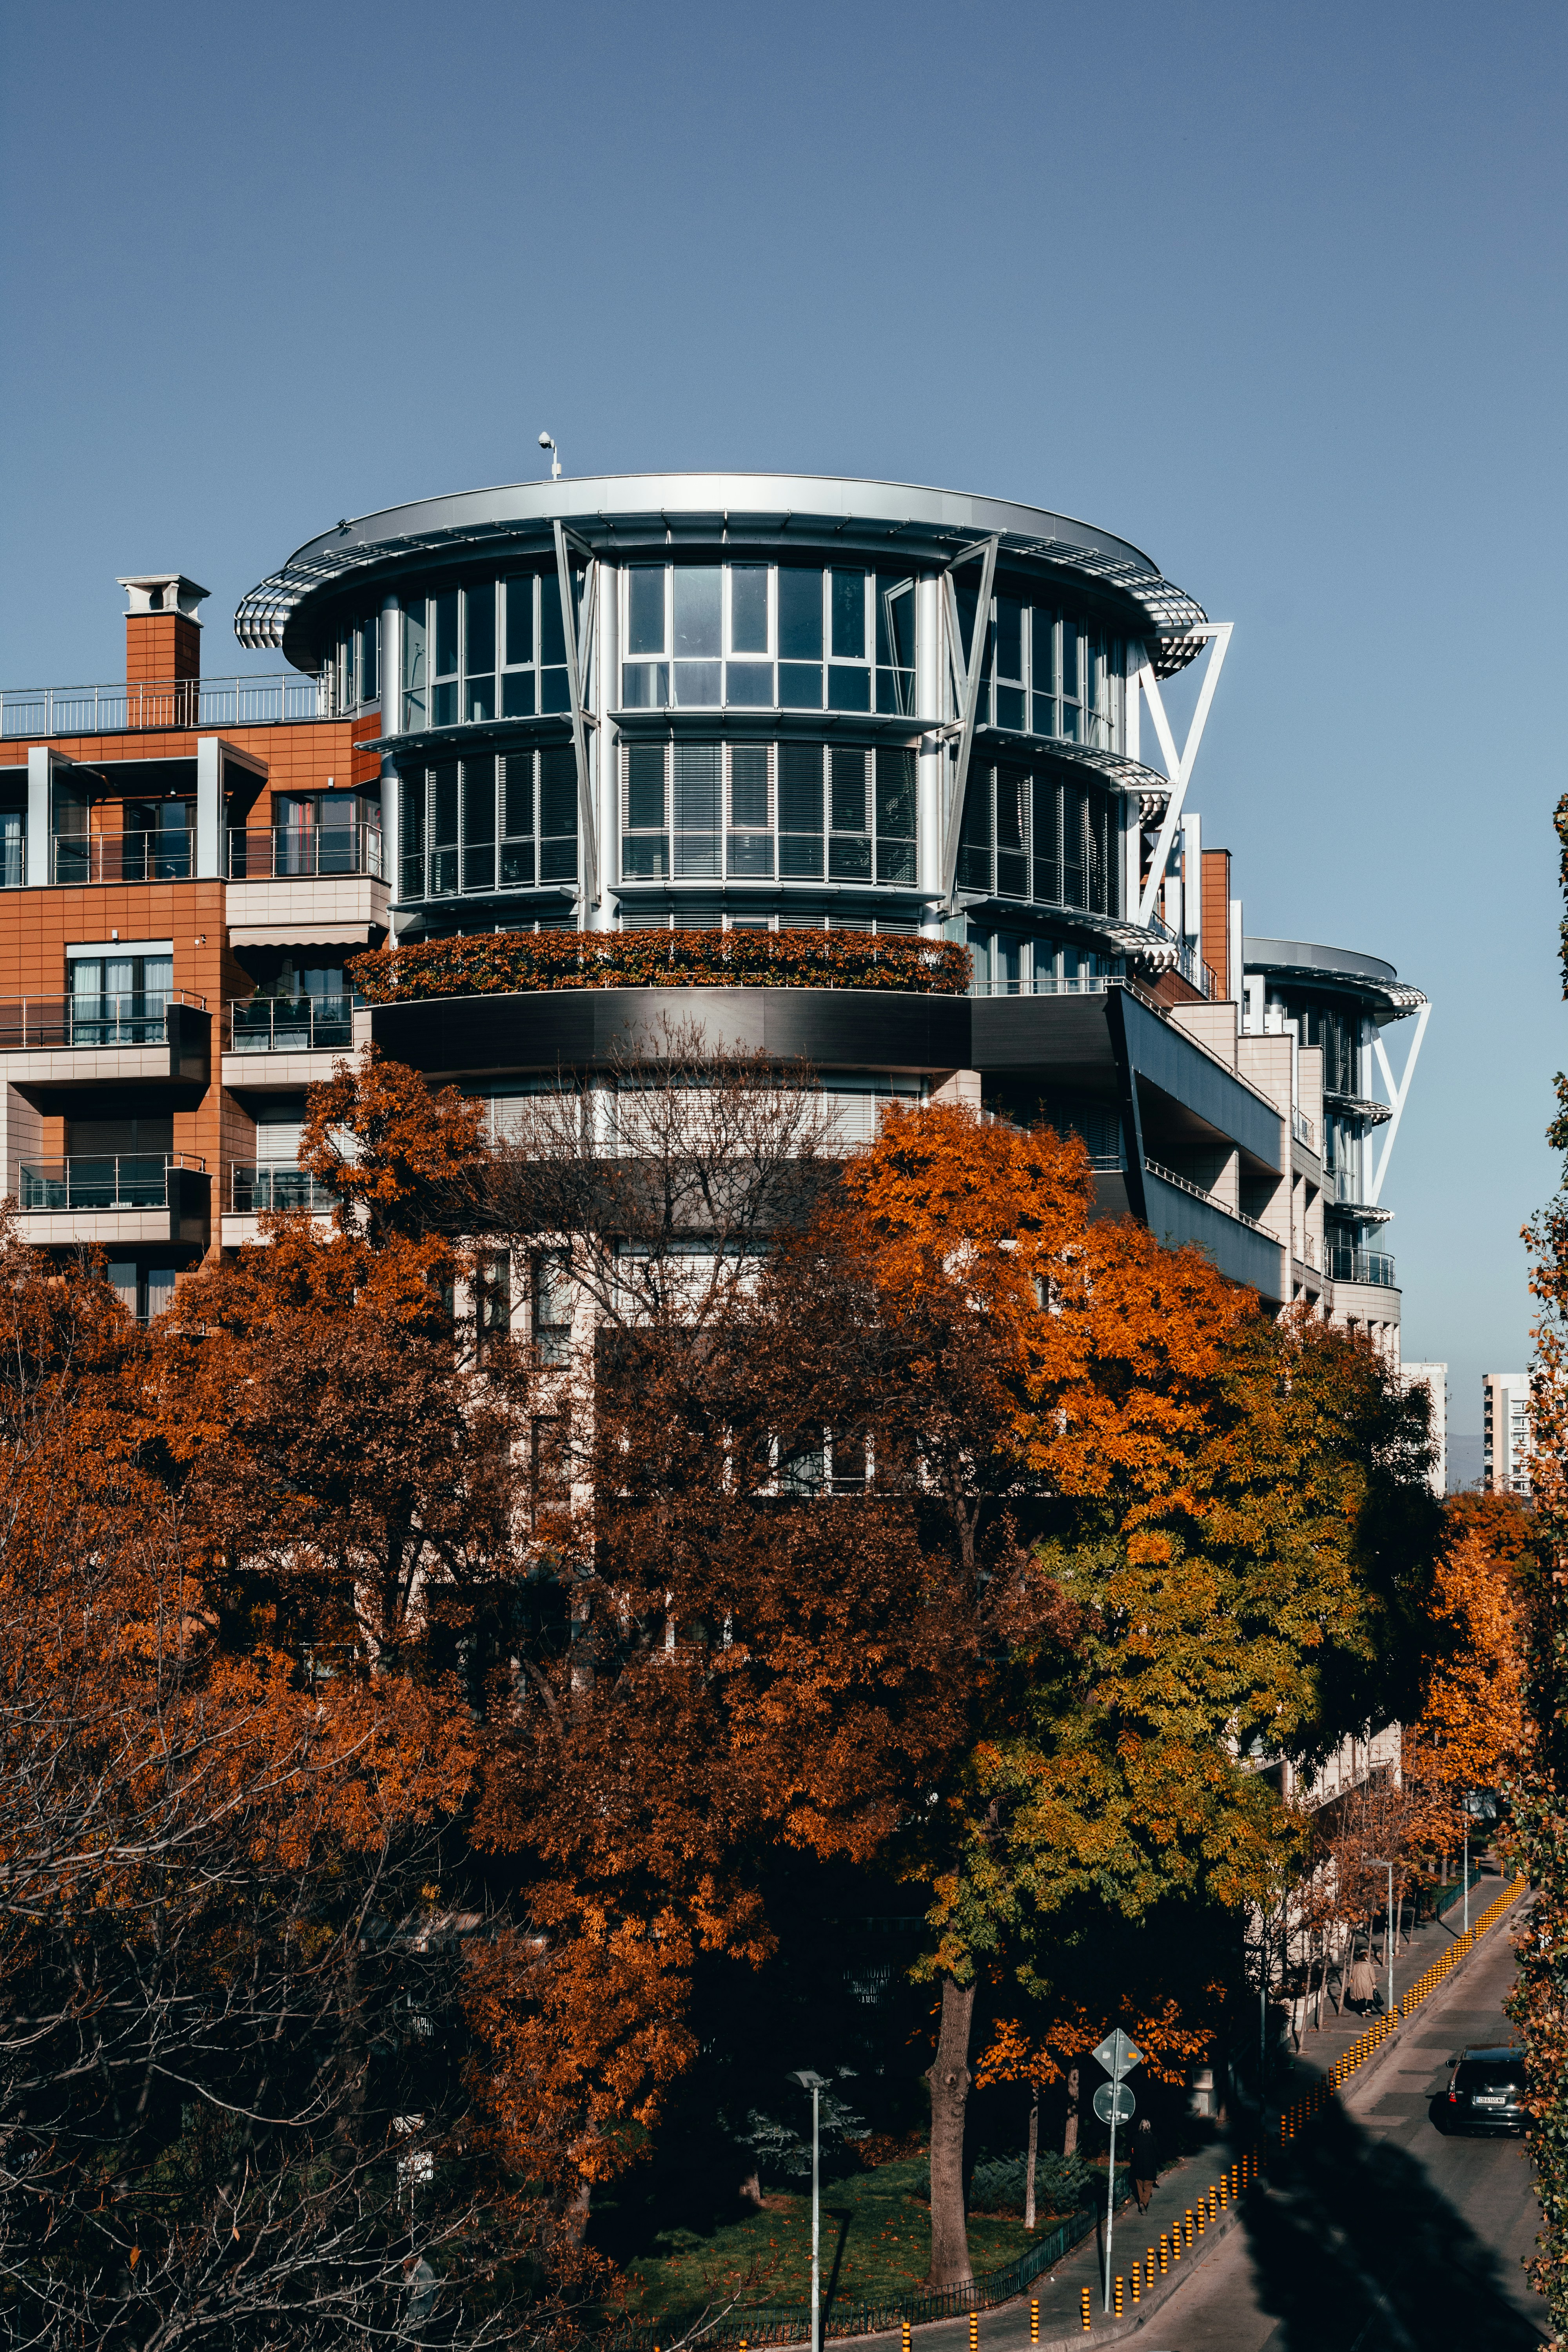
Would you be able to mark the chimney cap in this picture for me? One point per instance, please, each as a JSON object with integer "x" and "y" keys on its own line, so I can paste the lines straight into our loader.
{"x": 163, "y": 592}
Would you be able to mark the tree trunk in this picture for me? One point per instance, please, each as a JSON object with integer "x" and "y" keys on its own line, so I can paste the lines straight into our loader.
{"x": 1033, "y": 2150}
{"x": 1070, "y": 2135}
{"x": 948, "y": 2082}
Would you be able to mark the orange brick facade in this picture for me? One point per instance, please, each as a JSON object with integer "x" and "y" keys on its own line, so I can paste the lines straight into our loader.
{"x": 1215, "y": 903}
{"x": 161, "y": 646}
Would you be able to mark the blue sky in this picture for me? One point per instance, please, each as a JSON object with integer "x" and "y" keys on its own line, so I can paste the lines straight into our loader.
{"x": 1277, "y": 294}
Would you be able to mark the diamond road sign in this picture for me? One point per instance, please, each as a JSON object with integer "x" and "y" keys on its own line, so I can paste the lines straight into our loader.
{"x": 1118, "y": 2055}
{"x": 1115, "y": 2099}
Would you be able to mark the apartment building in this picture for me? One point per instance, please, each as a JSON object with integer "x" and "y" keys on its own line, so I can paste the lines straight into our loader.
{"x": 677, "y": 701}
{"x": 1505, "y": 1433}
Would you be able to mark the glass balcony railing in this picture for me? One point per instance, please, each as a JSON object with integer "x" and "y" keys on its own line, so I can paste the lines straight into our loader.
{"x": 303, "y": 853}
{"x": 34, "y": 1023}
{"x": 143, "y": 856}
{"x": 134, "y": 1180}
{"x": 257, "y": 1190}
{"x": 290, "y": 1024}
{"x": 1360, "y": 1265}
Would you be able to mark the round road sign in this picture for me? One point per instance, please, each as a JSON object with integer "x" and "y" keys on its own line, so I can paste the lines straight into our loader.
{"x": 1114, "y": 2098}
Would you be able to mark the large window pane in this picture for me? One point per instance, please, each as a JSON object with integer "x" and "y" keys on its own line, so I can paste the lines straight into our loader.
{"x": 645, "y": 787}
{"x": 749, "y": 608}
{"x": 849, "y": 689}
{"x": 848, "y": 599}
{"x": 551, "y": 630}
{"x": 414, "y": 706}
{"x": 517, "y": 693}
{"x": 895, "y": 621}
{"x": 749, "y": 684}
{"x": 519, "y": 619}
{"x": 1070, "y": 643}
{"x": 645, "y": 609}
{"x": 749, "y": 786}
{"x": 1009, "y": 637}
{"x": 446, "y": 661}
{"x": 480, "y": 629}
{"x": 1043, "y": 651}
{"x": 800, "y": 616}
{"x": 800, "y": 686}
{"x": 696, "y": 683}
{"x": 644, "y": 686}
{"x": 696, "y": 608}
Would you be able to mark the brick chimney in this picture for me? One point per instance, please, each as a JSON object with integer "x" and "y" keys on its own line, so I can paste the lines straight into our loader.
{"x": 163, "y": 635}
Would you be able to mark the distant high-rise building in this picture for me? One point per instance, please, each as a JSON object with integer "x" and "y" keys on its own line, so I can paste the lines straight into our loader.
{"x": 1505, "y": 1433}
{"x": 1434, "y": 1379}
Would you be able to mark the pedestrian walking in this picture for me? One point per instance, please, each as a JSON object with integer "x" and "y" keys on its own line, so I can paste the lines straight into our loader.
{"x": 1360, "y": 1985}
{"x": 1146, "y": 2163}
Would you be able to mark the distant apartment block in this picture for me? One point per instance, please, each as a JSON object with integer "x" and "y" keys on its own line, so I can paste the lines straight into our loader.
{"x": 1505, "y": 1433}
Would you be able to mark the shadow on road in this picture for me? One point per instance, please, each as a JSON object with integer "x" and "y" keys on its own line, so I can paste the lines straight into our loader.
{"x": 1354, "y": 2246}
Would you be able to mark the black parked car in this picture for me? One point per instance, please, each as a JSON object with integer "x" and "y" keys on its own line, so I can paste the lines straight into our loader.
{"x": 1484, "y": 2092}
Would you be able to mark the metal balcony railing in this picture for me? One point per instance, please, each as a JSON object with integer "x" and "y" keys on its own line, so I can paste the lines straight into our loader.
{"x": 1047, "y": 986}
{"x": 34, "y": 1023}
{"x": 119, "y": 707}
{"x": 1304, "y": 1129}
{"x": 255, "y": 1189}
{"x": 162, "y": 856}
{"x": 290, "y": 1024}
{"x": 135, "y": 1179}
{"x": 289, "y": 853}
{"x": 1360, "y": 1265}
{"x": 1200, "y": 1193}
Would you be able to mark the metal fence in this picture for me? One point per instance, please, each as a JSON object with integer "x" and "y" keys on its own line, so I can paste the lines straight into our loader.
{"x": 257, "y": 1190}
{"x": 1361, "y": 1265}
{"x": 286, "y": 853}
{"x": 34, "y": 1023}
{"x": 290, "y": 1024}
{"x": 138, "y": 857}
{"x": 120, "y": 708}
{"x": 791, "y": 2323}
{"x": 135, "y": 1179}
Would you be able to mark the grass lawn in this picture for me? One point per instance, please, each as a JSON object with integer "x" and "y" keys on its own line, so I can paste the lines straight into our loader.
{"x": 874, "y": 2228}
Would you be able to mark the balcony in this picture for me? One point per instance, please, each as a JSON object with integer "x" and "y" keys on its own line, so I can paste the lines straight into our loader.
{"x": 182, "y": 703}
{"x": 304, "y": 853}
{"x": 69, "y": 1040}
{"x": 290, "y": 1024}
{"x": 141, "y": 856}
{"x": 129, "y": 1197}
{"x": 1360, "y": 1265}
{"x": 258, "y": 1189}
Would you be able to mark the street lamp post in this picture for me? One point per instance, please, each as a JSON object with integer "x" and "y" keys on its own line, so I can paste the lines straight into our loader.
{"x": 1381, "y": 1863}
{"x": 816, "y": 2084}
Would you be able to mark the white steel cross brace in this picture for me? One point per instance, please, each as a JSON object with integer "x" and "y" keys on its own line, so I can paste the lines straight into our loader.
{"x": 1179, "y": 767}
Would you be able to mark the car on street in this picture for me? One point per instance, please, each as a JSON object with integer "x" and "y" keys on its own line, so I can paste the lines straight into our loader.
{"x": 1483, "y": 2093}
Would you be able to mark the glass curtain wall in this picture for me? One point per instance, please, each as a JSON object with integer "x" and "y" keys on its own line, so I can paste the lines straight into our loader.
{"x": 493, "y": 822}
{"x": 1048, "y": 673}
{"x": 1037, "y": 835}
{"x": 496, "y": 649}
{"x": 767, "y": 812}
{"x": 760, "y": 637}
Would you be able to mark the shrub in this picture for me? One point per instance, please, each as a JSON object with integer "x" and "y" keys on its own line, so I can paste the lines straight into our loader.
{"x": 504, "y": 962}
{"x": 1061, "y": 2184}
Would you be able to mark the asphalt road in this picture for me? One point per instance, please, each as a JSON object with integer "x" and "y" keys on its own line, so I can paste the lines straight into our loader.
{"x": 1379, "y": 2233}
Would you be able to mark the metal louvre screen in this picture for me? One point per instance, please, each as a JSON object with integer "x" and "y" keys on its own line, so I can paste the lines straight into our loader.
{"x": 557, "y": 814}
{"x": 695, "y": 790}
{"x": 749, "y": 846}
{"x": 800, "y": 811}
{"x": 896, "y": 805}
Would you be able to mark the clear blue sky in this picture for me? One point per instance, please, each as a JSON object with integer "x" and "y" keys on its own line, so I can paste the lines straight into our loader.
{"x": 1277, "y": 293}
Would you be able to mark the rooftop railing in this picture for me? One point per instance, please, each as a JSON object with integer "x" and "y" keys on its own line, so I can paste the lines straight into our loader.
{"x": 35, "y": 1024}
{"x": 134, "y": 1180}
{"x": 1086, "y": 984}
{"x": 120, "y": 708}
{"x": 290, "y": 852}
{"x": 260, "y": 1189}
{"x": 1360, "y": 1265}
{"x": 289, "y": 1024}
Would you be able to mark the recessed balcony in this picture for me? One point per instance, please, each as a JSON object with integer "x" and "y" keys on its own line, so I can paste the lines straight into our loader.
{"x": 258, "y": 1190}
{"x": 113, "y": 1198}
{"x": 303, "y": 853}
{"x": 290, "y": 1024}
{"x": 1360, "y": 1265}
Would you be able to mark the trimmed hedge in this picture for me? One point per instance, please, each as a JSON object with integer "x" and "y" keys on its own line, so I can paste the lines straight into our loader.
{"x": 504, "y": 962}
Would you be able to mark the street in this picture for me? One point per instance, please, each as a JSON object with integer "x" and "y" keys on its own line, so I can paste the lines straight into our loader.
{"x": 1379, "y": 2233}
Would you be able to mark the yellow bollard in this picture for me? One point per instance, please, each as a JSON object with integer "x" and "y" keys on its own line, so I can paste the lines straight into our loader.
{"x": 1224, "y": 2191}
{"x": 1137, "y": 2281}
{"x": 1087, "y": 2322}
{"x": 974, "y": 2332}
{"x": 1164, "y": 2253}
{"x": 1202, "y": 2215}
{"x": 908, "y": 2332}
{"x": 1187, "y": 2227}
{"x": 1149, "y": 2270}
{"x": 1034, "y": 2321}
{"x": 1116, "y": 2301}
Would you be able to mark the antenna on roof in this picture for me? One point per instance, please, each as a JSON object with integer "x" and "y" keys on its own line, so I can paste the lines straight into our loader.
{"x": 546, "y": 442}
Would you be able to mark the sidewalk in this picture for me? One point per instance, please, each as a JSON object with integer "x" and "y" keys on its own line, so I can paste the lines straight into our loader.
{"x": 1006, "y": 2328}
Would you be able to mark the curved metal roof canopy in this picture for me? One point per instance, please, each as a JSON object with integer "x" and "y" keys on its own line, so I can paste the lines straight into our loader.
{"x": 1334, "y": 968}
{"x": 640, "y": 512}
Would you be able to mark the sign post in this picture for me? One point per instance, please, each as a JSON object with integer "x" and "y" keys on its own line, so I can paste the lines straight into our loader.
{"x": 1114, "y": 2105}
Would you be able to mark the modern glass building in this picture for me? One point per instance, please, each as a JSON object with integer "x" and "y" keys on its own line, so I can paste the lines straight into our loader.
{"x": 687, "y": 702}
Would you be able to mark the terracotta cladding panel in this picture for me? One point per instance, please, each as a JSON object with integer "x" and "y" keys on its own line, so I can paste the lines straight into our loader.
{"x": 1217, "y": 915}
